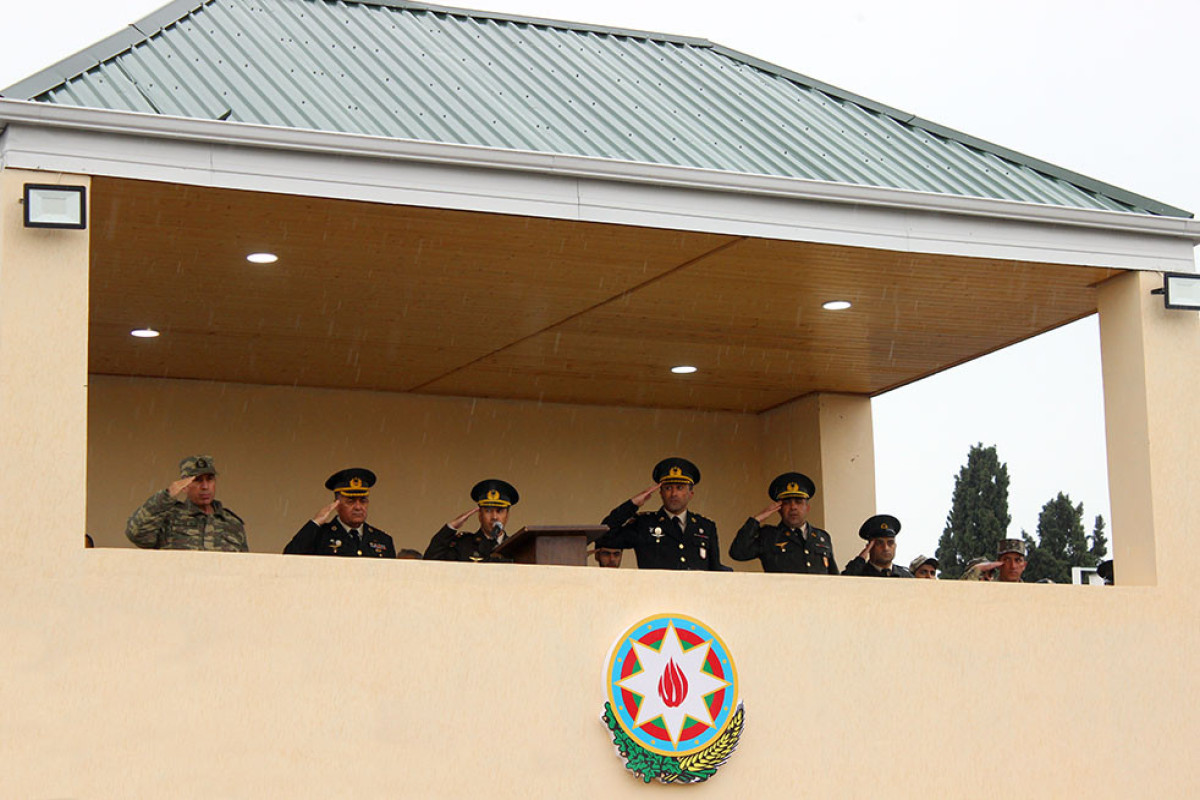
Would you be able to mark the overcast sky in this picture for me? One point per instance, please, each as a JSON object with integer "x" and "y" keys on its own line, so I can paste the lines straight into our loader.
{"x": 1103, "y": 88}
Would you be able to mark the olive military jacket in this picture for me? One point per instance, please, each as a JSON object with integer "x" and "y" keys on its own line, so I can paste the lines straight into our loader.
{"x": 162, "y": 523}
{"x": 783, "y": 549}
{"x": 451, "y": 545}
{"x": 331, "y": 539}
{"x": 657, "y": 540}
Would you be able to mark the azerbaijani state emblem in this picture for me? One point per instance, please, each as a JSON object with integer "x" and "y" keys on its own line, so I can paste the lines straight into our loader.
{"x": 673, "y": 708}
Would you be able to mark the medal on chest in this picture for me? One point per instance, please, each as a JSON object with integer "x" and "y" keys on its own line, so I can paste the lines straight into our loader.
{"x": 657, "y": 533}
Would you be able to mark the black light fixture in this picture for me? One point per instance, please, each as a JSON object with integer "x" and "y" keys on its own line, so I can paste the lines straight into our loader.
{"x": 1180, "y": 290}
{"x": 52, "y": 206}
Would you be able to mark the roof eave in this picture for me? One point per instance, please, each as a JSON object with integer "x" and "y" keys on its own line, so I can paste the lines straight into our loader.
{"x": 358, "y": 145}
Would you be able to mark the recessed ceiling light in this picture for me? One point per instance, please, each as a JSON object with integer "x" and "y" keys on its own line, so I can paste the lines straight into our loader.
{"x": 683, "y": 369}
{"x": 262, "y": 258}
{"x": 836, "y": 305}
{"x": 144, "y": 333}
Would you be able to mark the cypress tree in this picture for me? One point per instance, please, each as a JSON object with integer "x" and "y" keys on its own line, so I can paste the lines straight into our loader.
{"x": 978, "y": 518}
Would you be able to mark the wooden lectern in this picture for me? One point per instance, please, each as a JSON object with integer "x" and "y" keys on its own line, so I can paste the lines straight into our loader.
{"x": 564, "y": 545}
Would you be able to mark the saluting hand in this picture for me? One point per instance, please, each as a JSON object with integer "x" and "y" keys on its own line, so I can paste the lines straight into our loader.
{"x": 865, "y": 555}
{"x": 641, "y": 497}
{"x": 457, "y": 522}
{"x": 325, "y": 514}
{"x": 179, "y": 488}
{"x": 767, "y": 512}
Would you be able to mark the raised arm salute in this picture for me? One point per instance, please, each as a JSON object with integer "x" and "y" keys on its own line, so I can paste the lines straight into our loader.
{"x": 875, "y": 560}
{"x": 187, "y": 515}
{"x": 340, "y": 528}
{"x": 672, "y": 537}
{"x": 493, "y": 498}
{"x": 793, "y": 545}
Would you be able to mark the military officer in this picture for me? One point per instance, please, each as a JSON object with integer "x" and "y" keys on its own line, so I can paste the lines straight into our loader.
{"x": 876, "y": 558}
{"x": 493, "y": 499}
{"x": 1011, "y": 556}
{"x": 186, "y": 515}
{"x": 340, "y": 528}
{"x": 793, "y": 545}
{"x": 672, "y": 537}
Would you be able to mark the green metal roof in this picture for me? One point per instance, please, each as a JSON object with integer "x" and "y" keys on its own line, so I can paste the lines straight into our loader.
{"x": 412, "y": 71}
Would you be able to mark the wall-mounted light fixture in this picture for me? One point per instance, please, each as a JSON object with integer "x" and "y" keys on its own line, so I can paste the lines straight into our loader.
{"x": 49, "y": 206}
{"x": 1180, "y": 290}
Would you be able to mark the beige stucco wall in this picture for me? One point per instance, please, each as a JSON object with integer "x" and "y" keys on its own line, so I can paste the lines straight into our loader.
{"x": 134, "y": 674}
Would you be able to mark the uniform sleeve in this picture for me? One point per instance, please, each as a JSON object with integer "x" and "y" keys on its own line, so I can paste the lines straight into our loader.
{"x": 304, "y": 543}
{"x": 857, "y": 566}
{"x": 439, "y": 546}
{"x": 235, "y": 531}
{"x": 748, "y": 542}
{"x": 620, "y": 530}
{"x": 147, "y": 526}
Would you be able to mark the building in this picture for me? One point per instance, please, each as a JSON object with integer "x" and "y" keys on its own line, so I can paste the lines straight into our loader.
{"x": 480, "y": 221}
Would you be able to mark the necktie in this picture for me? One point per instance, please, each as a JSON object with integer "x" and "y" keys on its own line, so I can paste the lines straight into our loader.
{"x": 678, "y": 524}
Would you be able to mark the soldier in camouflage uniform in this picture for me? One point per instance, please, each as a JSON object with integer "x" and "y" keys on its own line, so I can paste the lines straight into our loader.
{"x": 186, "y": 515}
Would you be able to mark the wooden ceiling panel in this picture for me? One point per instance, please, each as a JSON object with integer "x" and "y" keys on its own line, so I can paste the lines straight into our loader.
{"x": 363, "y": 295}
{"x": 750, "y": 317}
{"x": 397, "y": 298}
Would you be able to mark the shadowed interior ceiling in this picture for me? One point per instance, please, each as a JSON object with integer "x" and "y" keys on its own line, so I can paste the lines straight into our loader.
{"x": 407, "y": 299}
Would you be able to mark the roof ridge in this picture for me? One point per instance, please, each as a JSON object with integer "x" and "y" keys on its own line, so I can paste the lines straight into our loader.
{"x": 633, "y": 33}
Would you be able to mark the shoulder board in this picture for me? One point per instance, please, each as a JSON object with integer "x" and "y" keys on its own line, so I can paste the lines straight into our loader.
{"x": 233, "y": 514}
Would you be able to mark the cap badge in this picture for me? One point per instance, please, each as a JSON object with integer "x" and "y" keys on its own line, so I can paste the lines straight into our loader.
{"x": 793, "y": 488}
{"x": 356, "y": 483}
{"x": 493, "y": 494}
{"x": 675, "y": 472}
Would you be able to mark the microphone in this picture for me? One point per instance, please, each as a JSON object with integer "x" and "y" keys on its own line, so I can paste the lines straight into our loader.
{"x": 498, "y": 530}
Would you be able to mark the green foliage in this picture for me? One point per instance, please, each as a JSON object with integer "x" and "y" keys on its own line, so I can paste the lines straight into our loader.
{"x": 645, "y": 764}
{"x": 978, "y": 518}
{"x": 1099, "y": 548}
{"x": 1062, "y": 542}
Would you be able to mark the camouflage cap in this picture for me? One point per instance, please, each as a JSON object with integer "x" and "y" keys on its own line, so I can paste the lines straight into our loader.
{"x": 1011, "y": 546}
{"x": 192, "y": 466}
{"x": 921, "y": 561}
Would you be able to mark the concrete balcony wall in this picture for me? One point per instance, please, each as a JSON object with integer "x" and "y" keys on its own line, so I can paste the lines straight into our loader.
{"x": 176, "y": 674}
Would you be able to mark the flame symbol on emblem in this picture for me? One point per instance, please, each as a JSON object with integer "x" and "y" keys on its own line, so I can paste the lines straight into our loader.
{"x": 672, "y": 686}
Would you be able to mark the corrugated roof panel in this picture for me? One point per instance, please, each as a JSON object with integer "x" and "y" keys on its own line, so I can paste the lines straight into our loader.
{"x": 400, "y": 70}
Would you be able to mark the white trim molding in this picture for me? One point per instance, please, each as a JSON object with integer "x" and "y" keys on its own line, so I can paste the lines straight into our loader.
{"x": 40, "y": 136}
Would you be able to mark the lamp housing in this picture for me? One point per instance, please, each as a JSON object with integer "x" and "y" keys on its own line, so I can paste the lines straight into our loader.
{"x": 54, "y": 206}
{"x": 1181, "y": 290}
